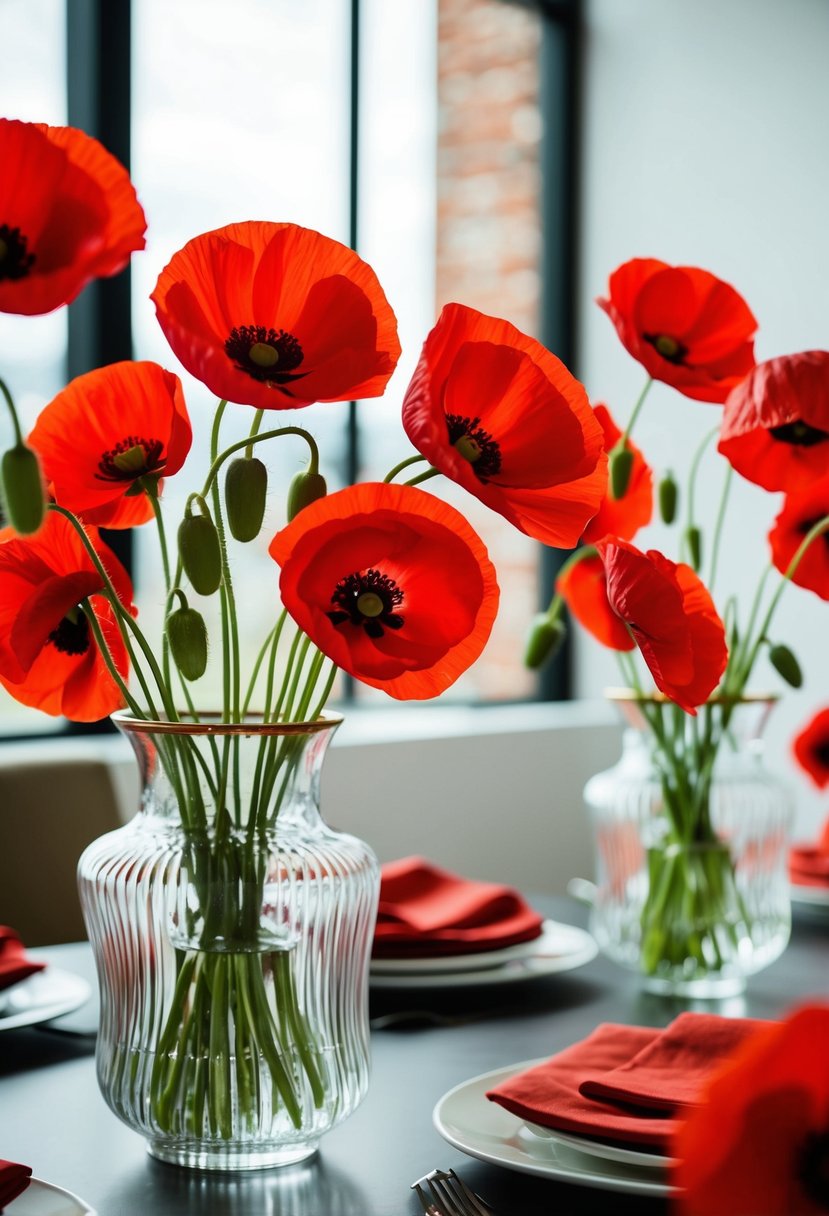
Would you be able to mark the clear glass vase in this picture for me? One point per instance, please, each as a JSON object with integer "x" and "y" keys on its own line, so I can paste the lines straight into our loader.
{"x": 232, "y": 930}
{"x": 691, "y": 839}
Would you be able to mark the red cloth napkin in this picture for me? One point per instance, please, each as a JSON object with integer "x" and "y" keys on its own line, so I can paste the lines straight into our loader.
{"x": 549, "y": 1093}
{"x": 669, "y": 1071}
{"x": 14, "y": 1179}
{"x": 14, "y": 963}
{"x": 425, "y": 911}
{"x": 809, "y": 863}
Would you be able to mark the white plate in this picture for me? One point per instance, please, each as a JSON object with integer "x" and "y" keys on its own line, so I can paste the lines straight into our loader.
{"x": 599, "y": 1148}
{"x": 810, "y": 897}
{"x": 45, "y": 995}
{"x": 559, "y": 948}
{"x": 485, "y": 1130}
{"x": 44, "y": 1199}
{"x": 479, "y": 961}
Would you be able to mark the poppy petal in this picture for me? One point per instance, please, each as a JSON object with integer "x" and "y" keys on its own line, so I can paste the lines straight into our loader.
{"x": 583, "y": 587}
{"x": 811, "y": 748}
{"x": 623, "y": 516}
{"x": 801, "y": 511}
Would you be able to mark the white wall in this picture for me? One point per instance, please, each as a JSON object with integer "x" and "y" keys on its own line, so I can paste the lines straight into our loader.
{"x": 706, "y": 138}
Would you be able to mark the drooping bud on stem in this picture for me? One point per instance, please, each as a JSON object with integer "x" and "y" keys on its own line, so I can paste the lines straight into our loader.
{"x": 21, "y": 484}
{"x": 621, "y": 465}
{"x": 545, "y": 637}
{"x": 668, "y": 498}
{"x": 200, "y": 551}
{"x": 246, "y": 488}
{"x": 187, "y": 635}
{"x": 693, "y": 539}
{"x": 785, "y": 663}
{"x": 306, "y": 487}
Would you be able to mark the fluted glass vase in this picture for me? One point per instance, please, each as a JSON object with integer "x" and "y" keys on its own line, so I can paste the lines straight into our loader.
{"x": 691, "y": 833}
{"x": 232, "y": 930}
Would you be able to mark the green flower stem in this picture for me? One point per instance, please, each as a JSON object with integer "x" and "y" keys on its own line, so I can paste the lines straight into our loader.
{"x": 637, "y": 409}
{"x": 693, "y": 472}
{"x": 4, "y": 389}
{"x": 404, "y": 464}
{"x": 718, "y": 527}
{"x": 415, "y": 481}
{"x": 218, "y": 460}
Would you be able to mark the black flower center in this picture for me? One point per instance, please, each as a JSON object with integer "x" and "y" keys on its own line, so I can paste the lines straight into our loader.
{"x": 475, "y": 444}
{"x": 814, "y": 1168}
{"x": 131, "y": 458}
{"x": 269, "y": 355}
{"x": 799, "y": 433}
{"x": 72, "y": 634}
{"x": 668, "y": 347}
{"x": 367, "y": 600}
{"x": 820, "y": 751}
{"x": 15, "y": 260}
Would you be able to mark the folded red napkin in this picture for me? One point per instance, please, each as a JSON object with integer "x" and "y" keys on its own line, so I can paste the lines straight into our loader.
{"x": 809, "y": 863}
{"x": 14, "y": 963}
{"x": 549, "y": 1093}
{"x": 669, "y": 1071}
{"x": 14, "y": 1179}
{"x": 425, "y": 911}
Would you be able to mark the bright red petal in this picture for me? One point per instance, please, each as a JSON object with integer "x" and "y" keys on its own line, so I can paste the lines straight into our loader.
{"x": 584, "y": 589}
{"x": 622, "y": 517}
{"x": 811, "y": 748}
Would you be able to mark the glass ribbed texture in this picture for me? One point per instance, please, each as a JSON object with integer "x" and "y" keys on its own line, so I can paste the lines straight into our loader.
{"x": 232, "y": 933}
{"x": 694, "y": 917}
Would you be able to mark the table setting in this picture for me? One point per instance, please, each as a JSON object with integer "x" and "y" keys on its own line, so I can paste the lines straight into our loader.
{"x": 281, "y": 1023}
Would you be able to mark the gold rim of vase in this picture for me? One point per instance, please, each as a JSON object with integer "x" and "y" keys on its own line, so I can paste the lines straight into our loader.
{"x": 252, "y": 725}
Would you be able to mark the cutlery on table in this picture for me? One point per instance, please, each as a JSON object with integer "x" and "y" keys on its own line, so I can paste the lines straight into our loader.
{"x": 448, "y": 1195}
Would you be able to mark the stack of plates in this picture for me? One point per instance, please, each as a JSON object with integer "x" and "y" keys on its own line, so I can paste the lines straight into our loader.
{"x": 469, "y": 1121}
{"x": 559, "y": 948}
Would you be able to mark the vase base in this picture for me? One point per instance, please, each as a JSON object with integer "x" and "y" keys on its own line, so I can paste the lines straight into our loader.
{"x": 708, "y": 987}
{"x": 232, "y": 1158}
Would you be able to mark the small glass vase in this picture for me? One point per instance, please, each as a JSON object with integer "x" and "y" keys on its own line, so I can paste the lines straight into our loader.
{"x": 691, "y": 839}
{"x": 232, "y": 930}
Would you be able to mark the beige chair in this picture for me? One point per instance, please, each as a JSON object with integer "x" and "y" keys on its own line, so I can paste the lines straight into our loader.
{"x": 49, "y": 813}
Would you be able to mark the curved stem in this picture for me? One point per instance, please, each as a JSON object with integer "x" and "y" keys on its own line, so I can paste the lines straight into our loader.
{"x": 415, "y": 481}
{"x": 635, "y": 412}
{"x": 404, "y": 464}
{"x": 4, "y": 389}
{"x": 694, "y": 470}
{"x": 218, "y": 460}
{"x": 715, "y": 548}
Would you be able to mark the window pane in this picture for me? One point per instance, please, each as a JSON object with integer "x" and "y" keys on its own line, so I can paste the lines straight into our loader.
{"x": 33, "y": 88}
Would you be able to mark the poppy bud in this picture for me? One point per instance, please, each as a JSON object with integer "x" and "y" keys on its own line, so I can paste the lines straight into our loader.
{"x": 201, "y": 556}
{"x": 22, "y": 488}
{"x": 187, "y": 635}
{"x": 621, "y": 464}
{"x": 693, "y": 539}
{"x": 544, "y": 640}
{"x": 304, "y": 489}
{"x": 668, "y": 495}
{"x": 246, "y": 487}
{"x": 786, "y": 665}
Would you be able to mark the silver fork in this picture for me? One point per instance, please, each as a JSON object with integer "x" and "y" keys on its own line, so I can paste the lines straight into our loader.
{"x": 449, "y": 1196}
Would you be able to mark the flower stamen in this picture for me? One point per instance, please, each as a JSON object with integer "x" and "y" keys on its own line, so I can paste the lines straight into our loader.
{"x": 259, "y": 352}
{"x": 668, "y": 347}
{"x": 71, "y": 635}
{"x": 131, "y": 458}
{"x": 368, "y": 601}
{"x": 476, "y": 445}
{"x": 15, "y": 259}
{"x": 799, "y": 433}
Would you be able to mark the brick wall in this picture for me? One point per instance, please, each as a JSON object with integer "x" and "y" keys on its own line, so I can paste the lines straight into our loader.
{"x": 488, "y": 253}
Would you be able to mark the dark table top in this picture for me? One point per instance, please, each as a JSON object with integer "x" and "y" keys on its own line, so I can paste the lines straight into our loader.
{"x": 53, "y": 1118}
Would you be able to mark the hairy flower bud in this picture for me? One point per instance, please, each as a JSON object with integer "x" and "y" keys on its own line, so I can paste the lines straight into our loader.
{"x": 544, "y": 640}
{"x": 668, "y": 496}
{"x": 621, "y": 466}
{"x": 246, "y": 488}
{"x": 201, "y": 556}
{"x": 693, "y": 539}
{"x": 22, "y": 489}
{"x": 304, "y": 489}
{"x": 786, "y": 665}
{"x": 187, "y": 635}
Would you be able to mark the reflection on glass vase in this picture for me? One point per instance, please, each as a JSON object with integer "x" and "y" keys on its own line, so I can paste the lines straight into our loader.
{"x": 232, "y": 931}
{"x": 691, "y": 835}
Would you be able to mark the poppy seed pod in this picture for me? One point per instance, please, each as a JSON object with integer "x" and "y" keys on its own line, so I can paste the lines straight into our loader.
{"x": 544, "y": 640}
{"x": 305, "y": 488}
{"x": 200, "y": 552}
{"x": 22, "y": 489}
{"x": 187, "y": 635}
{"x": 621, "y": 466}
{"x": 246, "y": 488}
{"x": 668, "y": 497}
{"x": 786, "y": 665}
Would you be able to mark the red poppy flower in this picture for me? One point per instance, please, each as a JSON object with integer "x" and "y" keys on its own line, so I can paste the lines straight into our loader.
{"x": 672, "y": 618}
{"x": 583, "y": 587}
{"x": 758, "y": 1141}
{"x": 496, "y": 412}
{"x": 684, "y": 326}
{"x": 277, "y": 316}
{"x": 775, "y": 427}
{"x": 104, "y": 432}
{"x": 68, "y": 214}
{"x": 48, "y": 656}
{"x": 626, "y": 515}
{"x": 801, "y": 511}
{"x": 390, "y": 583}
{"x": 811, "y": 748}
